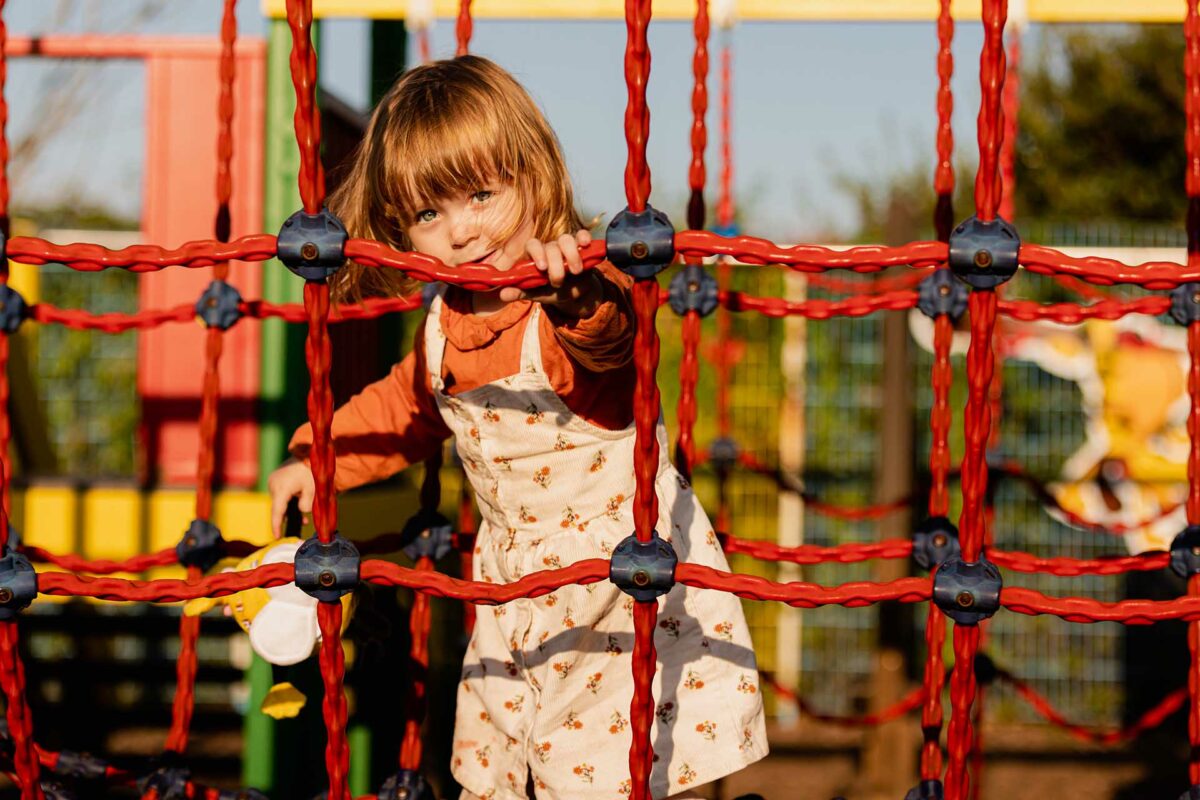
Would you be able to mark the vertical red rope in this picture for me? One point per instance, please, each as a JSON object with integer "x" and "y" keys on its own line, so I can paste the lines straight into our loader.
{"x": 976, "y": 778}
{"x": 418, "y": 660}
{"x": 463, "y": 28}
{"x": 5, "y": 430}
{"x": 186, "y": 665}
{"x": 697, "y": 174}
{"x": 20, "y": 721}
{"x": 645, "y": 408}
{"x": 962, "y": 695}
{"x": 318, "y": 352}
{"x": 307, "y": 118}
{"x": 333, "y": 707}
{"x": 637, "y": 112}
{"x": 977, "y": 420}
{"x": 991, "y": 82}
{"x": 641, "y": 710}
{"x": 689, "y": 376}
{"x": 931, "y": 709}
{"x": 940, "y": 417}
{"x": 943, "y": 176}
{"x": 1008, "y": 147}
{"x": 1193, "y": 516}
{"x": 725, "y": 203}
{"x": 423, "y": 50}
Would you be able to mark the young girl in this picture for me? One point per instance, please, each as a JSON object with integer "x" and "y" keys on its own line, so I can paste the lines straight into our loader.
{"x": 536, "y": 387}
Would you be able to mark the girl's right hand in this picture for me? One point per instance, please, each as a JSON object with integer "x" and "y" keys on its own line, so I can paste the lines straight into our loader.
{"x": 292, "y": 479}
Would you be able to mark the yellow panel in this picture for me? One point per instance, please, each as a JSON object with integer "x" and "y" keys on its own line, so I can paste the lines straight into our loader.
{"x": 50, "y": 518}
{"x": 25, "y": 279}
{"x": 810, "y": 10}
{"x": 169, "y": 515}
{"x": 244, "y": 515}
{"x": 112, "y": 525}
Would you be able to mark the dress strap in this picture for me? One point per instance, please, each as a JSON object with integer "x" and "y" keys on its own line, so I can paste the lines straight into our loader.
{"x": 435, "y": 341}
{"x": 531, "y": 348}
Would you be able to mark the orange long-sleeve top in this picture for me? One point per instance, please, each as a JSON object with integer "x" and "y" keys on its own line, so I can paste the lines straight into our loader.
{"x": 395, "y": 422}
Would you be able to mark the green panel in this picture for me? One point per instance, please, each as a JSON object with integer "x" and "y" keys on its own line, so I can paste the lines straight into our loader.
{"x": 258, "y": 731}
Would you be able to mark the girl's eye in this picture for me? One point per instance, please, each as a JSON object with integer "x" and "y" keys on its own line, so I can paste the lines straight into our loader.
{"x": 428, "y": 215}
{"x": 482, "y": 196}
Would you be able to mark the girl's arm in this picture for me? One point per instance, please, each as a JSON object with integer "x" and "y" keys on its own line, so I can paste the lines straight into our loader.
{"x": 389, "y": 425}
{"x": 602, "y": 339}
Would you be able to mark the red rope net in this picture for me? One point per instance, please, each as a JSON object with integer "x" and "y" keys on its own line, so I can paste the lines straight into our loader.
{"x": 86, "y": 578}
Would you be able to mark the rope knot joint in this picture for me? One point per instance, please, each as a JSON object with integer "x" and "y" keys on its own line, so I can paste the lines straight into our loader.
{"x": 643, "y": 570}
{"x": 1185, "y": 552}
{"x": 327, "y": 571}
{"x": 13, "y": 309}
{"x": 169, "y": 783}
{"x": 693, "y": 289}
{"x": 312, "y": 245}
{"x": 220, "y": 306}
{"x": 983, "y": 255}
{"x": 940, "y": 293}
{"x": 201, "y": 545}
{"x": 967, "y": 592}
{"x": 926, "y": 790}
{"x": 406, "y": 784}
{"x": 18, "y": 583}
{"x": 1185, "y": 303}
{"x": 427, "y": 534}
{"x": 723, "y": 455}
{"x": 640, "y": 243}
{"x": 934, "y": 541}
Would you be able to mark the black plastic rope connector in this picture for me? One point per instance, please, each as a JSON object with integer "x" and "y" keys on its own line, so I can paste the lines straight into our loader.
{"x": 935, "y": 540}
{"x": 427, "y": 534}
{"x": 941, "y": 293}
{"x": 312, "y": 245}
{"x": 13, "y": 309}
{"x": 926, "y": 790}
{"x": 693, "y": 289}
{"x": 170, "y": 783}
{"x": 327, "y": 571}
{"x": 640, "y": 244}
{"x": 968, "y": 592}
{"x": 52, "y": 790}
{"x": 643, "y": 570}
{"x": 983, "y": 255}
{"x": 18, "y": 583}
{"x": 406, "y": 784}
{"x": 81, "y": 766}
{"x": 723, "y": 454}
{"x": 201, "y": 545}
{"x": 1185, "y": 303}
{"x": 219, "y": 306}
{"x": 1185, "y": 552}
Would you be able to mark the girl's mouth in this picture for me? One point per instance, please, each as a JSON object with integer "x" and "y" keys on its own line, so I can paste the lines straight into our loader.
{"x": 483, "y": 259}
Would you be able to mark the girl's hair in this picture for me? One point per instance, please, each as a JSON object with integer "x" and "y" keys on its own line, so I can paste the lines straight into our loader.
{"x": 443, "y": 128}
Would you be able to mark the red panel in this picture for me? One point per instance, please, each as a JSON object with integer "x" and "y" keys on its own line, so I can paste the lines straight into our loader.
{"x": 180, "y": 205}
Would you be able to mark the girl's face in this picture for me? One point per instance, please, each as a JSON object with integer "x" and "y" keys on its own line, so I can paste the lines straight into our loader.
{"x": 476, "y": 227}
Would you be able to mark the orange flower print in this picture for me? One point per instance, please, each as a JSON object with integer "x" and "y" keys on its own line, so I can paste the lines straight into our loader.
{"x": 627, "y": 604}
{"x": 561, "y": 443}
{"x": 482, "y": 755}
{"x": 509, "y": 744}
{"x": 617, "y": 723}
{"x": 512, "y": 782}
{"x": 457, "y": 762}
{"x": 710, "y": 538}
{"x": 626, "y": 788}
{"x": 489, "y": 412}
{"x": 515, "y": 704}
{"x": 747, "y": 740}
{"x": 499, "y": 611}
{"x": 568, "y": 621}
{"x": 535, "y": 414}
{"x": 552, "y": 561}
{"x": 525, "y": 516}
{"x": 665, "y": 712}
{"x": 686, "y": 775}
{"x": 563, "y": 668}
{"x": 539, "y": 783}
{"x": 569, "y": 517}
{"x": 550, "y": 600}
{"x": 613, "y": 511}
{"x": 572, "y": 722}
{"x": 670, "y": 626}
{"x": 542, "y": 637}
{"x": 724, "y": 630}
{"x": 510, "y": 666}
{"x": 747, "y": 686}
{"x": 542, "y": 477}
{"x": 708, "y": 730}
{"x": 586, "y": 772}
{"x": 503, "y": 462}
{"x": 485, "y": 716}
{"x": 473, "y": 433}
{"x": 598, "y": 461}
{"x": 593, "y": 683}
{"x": 613, "y": 649}
{"x": 542, "y": 751}
{"x": 692, "y": 680}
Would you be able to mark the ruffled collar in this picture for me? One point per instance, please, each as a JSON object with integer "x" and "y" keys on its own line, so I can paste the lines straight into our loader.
{"x": 466, "y": 330}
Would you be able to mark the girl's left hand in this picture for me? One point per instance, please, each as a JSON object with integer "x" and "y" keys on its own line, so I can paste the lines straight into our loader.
{"x": 571, "y": 290}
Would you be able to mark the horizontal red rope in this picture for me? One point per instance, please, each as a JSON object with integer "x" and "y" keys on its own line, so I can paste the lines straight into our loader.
{"x": 805, "y": 595}
{"x": 905, "y": 704}
{"x": 141, "y": 257}
{"x": 1073, "y": 313}
{"x": 1074, "y": 567}
{"x": 1083, "y": 609}
{"x": 164, "y": 590}
{"x": 536, "y": 584}
{"x": 808, "y": 257}
{"x": 1106, "y": 271}
{"x": 857, "y": 306}
{"x": 138, "y": 563}
{"x": 817, "y": 554}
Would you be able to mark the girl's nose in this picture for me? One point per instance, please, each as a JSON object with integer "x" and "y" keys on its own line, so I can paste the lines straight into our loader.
{"x": 464, "y": 230}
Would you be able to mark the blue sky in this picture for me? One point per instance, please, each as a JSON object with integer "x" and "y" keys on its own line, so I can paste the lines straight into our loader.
{"x": 812, "y": 102}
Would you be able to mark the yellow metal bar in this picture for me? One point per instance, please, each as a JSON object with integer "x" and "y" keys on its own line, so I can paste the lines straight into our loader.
{"x": 763, "y": 10}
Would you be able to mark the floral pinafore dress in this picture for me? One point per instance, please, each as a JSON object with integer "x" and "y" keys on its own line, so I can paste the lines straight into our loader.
{"x": 546, "y": 683}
